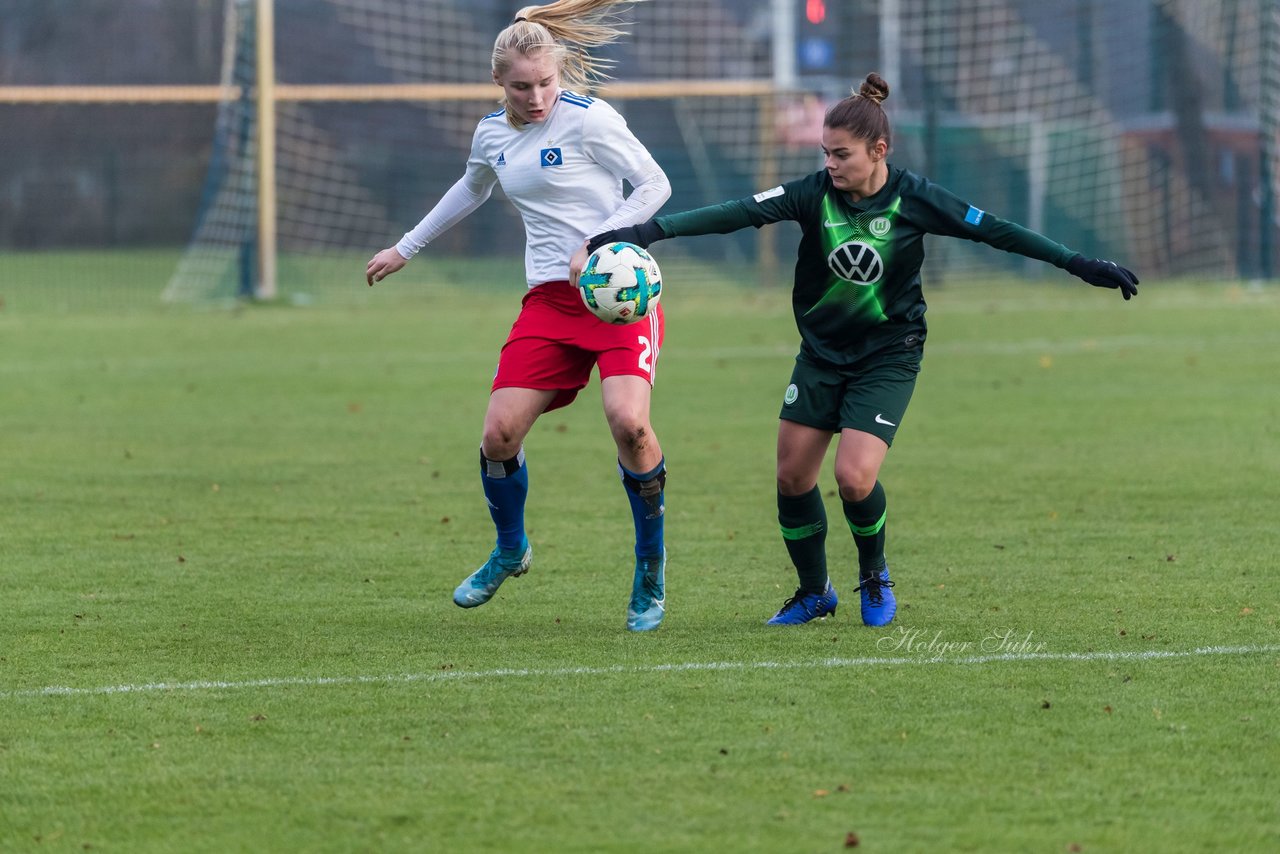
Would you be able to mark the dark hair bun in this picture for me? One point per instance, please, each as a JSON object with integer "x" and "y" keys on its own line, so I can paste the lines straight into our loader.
{"x": 874, "y": 88}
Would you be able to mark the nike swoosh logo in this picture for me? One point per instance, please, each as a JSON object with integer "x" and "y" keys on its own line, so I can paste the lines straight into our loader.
{"x": 829, "y": 224}
{"x": 880, "y": 420}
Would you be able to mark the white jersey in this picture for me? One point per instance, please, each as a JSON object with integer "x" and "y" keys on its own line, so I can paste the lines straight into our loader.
{"x": 564, "y": 175}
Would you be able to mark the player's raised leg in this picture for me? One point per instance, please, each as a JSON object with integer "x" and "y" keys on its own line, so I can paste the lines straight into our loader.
{"x": 505, "y": 479}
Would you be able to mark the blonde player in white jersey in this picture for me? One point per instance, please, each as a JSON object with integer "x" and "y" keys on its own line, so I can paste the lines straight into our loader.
{"x": 561, "y": 158}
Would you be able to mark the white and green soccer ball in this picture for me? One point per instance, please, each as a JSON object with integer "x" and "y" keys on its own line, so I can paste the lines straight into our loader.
{"x": 621, "y": 283}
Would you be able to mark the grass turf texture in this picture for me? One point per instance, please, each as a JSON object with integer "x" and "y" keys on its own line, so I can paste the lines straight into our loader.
{"x": 288, "y": 496}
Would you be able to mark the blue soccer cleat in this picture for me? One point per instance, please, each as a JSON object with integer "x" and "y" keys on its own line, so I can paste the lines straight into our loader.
{"x": 648, "y": 594}
{"x": 479, "y": 586}
{"x": 803, "y": 607}
{"x": 878, "y": 602}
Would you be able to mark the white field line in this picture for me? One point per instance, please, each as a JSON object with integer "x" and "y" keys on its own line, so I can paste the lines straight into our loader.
{"x": 685, "y": 667}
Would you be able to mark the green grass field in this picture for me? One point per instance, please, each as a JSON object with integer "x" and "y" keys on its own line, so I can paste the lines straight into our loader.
{"x": 228, "y": 542}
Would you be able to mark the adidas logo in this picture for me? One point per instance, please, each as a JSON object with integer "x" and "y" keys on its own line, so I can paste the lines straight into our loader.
{"x": 502, "y": 159}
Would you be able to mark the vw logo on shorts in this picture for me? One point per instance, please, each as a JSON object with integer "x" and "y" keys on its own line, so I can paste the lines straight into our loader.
{"x": 792, "y": 394}
{"x": 856, "y": 262}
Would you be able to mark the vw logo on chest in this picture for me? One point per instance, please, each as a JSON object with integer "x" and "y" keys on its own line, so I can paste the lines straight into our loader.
{"x": 856, "y": 262}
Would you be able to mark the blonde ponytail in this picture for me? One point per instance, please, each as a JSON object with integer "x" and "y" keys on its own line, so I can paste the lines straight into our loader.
{"x": 565, "y": 29}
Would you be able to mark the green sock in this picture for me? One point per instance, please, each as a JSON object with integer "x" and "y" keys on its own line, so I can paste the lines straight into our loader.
{"x": 804, "y": 530}
{"x": 866, "y": 521}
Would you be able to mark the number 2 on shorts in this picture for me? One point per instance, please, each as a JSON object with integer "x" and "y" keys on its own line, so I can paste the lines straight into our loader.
{"x": 644, "y": 354}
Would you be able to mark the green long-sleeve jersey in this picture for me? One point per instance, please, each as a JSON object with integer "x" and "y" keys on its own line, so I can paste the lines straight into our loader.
{"x": 857, "y": 287}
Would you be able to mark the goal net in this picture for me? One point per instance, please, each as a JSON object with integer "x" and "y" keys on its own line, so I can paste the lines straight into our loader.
{"x": 1142, "y": 130}
{"x": 377, "y": 103}
{"x": 1137, "y": 130}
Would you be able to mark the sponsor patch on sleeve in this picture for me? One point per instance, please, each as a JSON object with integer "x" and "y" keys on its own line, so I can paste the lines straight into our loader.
{"x": 974, "y": 216}
{"x": 768, "y": 194}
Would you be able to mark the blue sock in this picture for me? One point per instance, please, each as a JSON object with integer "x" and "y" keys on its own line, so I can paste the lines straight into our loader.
{"x": 506, "y": 483}
{"x": 644, "y": 491}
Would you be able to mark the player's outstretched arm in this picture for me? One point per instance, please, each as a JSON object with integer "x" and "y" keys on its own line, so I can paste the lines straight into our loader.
{"x": 641, "y": 235}
{"x": 384, "y": 264}
{"x": 1104, "y": 274}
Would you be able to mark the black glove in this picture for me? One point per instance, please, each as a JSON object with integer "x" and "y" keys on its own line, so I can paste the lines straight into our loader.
{"x": 1104, "y": 274}
{"x": 641, "y": 235}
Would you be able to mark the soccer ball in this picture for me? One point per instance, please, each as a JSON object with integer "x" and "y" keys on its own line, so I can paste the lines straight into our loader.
{"x": 621, "y": 283}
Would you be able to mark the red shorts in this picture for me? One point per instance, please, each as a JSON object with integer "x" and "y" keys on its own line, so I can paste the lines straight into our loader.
{"x": 556, "y": 341}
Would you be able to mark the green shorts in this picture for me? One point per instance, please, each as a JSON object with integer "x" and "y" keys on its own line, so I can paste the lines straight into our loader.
{"x": 871, "y": 398}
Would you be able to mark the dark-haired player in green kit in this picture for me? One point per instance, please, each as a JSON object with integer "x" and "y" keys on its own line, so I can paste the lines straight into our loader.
{"x": 860, "y": 311}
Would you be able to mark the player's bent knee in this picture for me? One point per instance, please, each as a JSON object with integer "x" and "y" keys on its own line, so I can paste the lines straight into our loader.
{"x": 498, "y": 442}
{"x": 855, "y": 482}
{"x": 632, "y": 435}
{"x": 857, "y": 486}
{"x": 794, "y": 484}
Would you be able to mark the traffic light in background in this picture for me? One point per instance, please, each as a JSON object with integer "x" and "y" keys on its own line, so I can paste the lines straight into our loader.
{"x": 817, "y": 29}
